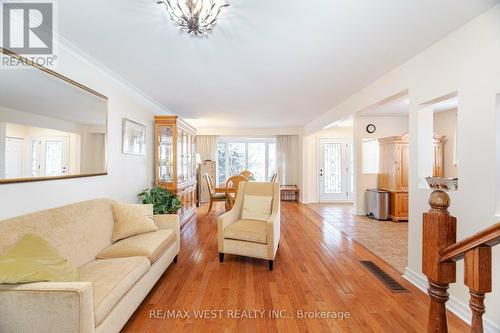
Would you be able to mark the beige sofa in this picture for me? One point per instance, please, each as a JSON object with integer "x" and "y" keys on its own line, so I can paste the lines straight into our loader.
{"x": 109, "y": 290}
{"x": 251, "y": 238}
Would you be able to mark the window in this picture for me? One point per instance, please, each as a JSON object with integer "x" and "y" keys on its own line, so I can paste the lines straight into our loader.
{"x": 271, "y": 159}
{"x": 332, "y": 168}
{"x": 221, "y": 162}
{"x": 237, "y": 158}
{"x": 370, "y": 156}
{"x": 237, "y": 154}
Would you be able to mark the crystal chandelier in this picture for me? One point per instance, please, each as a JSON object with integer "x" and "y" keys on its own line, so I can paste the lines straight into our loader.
{"x": 196, "y": 16}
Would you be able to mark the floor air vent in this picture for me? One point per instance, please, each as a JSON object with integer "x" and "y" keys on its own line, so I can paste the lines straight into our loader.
{"x": 386, "y": 279}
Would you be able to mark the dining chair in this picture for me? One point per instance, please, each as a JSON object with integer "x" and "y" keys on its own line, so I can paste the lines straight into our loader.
{"x": 214, "y": 196}
{"x": 247, "y": 174}
{"x": 274, "y": 178}
{"x": 232, "y": 189}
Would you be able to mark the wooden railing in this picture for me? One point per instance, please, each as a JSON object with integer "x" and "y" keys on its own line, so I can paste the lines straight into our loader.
{"x": 440, "y": 251}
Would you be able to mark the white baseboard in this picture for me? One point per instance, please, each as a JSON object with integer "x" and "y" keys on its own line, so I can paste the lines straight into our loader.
{"x": 359, "y": 212}
{"x": 459, "y": 308}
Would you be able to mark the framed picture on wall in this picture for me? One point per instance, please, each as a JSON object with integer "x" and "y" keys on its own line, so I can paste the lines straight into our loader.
{"x": 134, "y": 137}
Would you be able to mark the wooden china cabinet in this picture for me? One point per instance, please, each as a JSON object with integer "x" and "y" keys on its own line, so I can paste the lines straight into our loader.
{"x": 175, "y": 162}
{"x": 393, "y": 171}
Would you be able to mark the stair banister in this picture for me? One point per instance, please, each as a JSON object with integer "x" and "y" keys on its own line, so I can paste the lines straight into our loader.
{"x": 440, "y": 251}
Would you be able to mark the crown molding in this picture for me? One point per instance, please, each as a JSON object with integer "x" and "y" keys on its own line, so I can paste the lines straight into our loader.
{"x": 86, "y": 58}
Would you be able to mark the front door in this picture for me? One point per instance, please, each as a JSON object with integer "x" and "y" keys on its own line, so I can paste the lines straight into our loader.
{"x": 50, "y": 156}
{"x": 333, "y": 170}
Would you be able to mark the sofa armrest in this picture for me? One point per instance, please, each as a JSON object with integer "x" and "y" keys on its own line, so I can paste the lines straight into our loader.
{"x": 47, "y": 307}
{"x": 169, "y": 221}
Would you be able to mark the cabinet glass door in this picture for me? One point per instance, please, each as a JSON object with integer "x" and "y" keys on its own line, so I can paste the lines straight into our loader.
{"x": 180, "y": 174}
{"x": 165, "y": 154}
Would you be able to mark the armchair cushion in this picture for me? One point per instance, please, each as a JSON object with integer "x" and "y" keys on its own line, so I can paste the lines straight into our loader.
{"x": 150, "y": 245}
{"x": 247, "y": 230}
{"x": 111, "y": 279}
{"x": 256, "y": 207}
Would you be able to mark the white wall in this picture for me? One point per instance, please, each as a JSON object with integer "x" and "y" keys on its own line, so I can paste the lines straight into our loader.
{"x": 467, "y": 62}
{"x": 385, "y": 127}
{"x": 310, "y": 167}
{"x": 445, "y": 123}
{"x": 127, "y": 174}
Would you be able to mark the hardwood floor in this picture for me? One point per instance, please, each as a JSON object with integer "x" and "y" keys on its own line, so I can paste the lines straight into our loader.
{"x": 316, "y": 269}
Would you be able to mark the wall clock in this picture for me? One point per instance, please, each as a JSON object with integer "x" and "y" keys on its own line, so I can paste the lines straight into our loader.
{"x": 370, "y": 128}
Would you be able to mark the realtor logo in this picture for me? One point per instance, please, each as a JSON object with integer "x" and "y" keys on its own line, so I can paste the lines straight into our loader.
{"x": 27, "y": 28}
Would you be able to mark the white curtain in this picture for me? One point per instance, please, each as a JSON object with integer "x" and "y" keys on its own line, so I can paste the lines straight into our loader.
{"x": 287, "y": 159}
{"x": 206, "y": 146}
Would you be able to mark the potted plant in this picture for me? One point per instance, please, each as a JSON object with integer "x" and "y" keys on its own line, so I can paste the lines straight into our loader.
{"x": 163, "y": 201}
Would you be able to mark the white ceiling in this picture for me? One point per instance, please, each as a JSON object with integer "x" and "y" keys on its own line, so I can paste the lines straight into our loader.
{"x": 400, "y": 107}
{"x": 445, "y": 105}
{"x": 277, "y": 63}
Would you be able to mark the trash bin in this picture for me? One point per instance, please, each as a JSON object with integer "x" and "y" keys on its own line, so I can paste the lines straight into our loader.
{"x": 377, "y": 204}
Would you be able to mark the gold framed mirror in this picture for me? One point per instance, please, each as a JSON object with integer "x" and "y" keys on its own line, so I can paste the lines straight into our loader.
{"x": 51, "y": 127}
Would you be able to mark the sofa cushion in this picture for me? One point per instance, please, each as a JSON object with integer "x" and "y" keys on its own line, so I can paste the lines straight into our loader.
{"x": 111, "y": 279}
{"x": 33, "y": 259}
{"x": 247, "y": 230}
{"x": 132, "y": 219}
{"x": 256, "y": 207}
{"x": 150, "y": 245}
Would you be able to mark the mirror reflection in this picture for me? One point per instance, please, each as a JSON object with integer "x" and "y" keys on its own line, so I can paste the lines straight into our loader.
{"x": 49, "y": 126}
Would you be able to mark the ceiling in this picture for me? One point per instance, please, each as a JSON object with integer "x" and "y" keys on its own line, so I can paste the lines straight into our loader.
{"x": 397, "y": 107}
{"x": 400, "y": 107}
{"x": 277, "y": 63}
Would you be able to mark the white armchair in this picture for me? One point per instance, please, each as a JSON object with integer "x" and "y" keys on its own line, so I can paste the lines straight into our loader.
{"x": 256, "y": 238}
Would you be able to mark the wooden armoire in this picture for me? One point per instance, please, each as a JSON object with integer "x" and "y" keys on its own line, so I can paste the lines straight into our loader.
{"x": 175, "y": 162}
{"x": 393, "y": 171}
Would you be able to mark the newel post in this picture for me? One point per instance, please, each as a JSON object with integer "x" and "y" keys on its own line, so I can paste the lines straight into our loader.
{"x": 439, "y": 231}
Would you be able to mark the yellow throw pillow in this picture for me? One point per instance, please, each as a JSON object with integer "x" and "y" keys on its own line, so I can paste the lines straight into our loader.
{"x": 132, "y": 219}
{"x": 33, "y": 259}
{"x": 256, "y": 207}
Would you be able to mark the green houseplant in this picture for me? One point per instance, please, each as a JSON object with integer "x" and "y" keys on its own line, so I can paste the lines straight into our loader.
{"x": 163, "y": 201}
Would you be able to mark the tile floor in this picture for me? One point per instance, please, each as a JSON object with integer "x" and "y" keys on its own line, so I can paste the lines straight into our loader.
{"x": 386, "y": 239}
